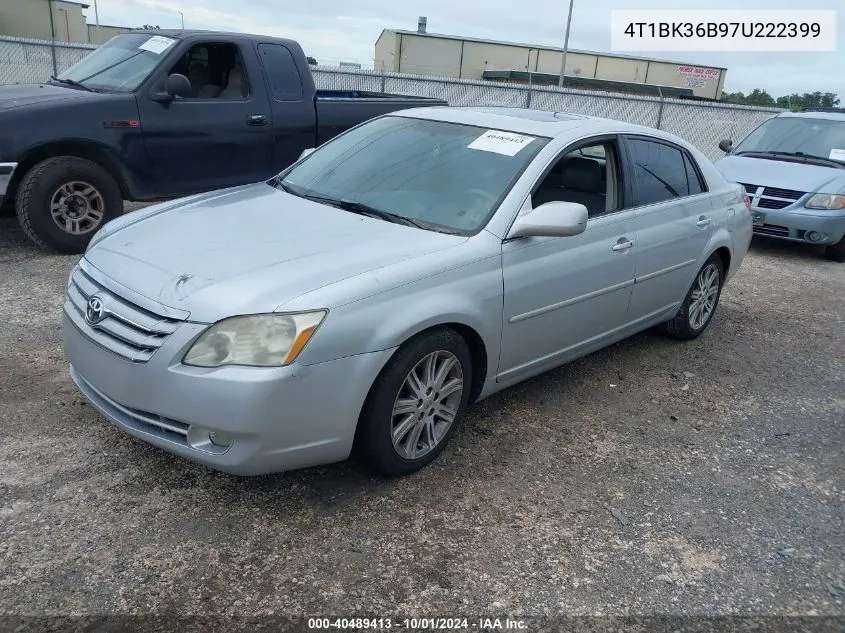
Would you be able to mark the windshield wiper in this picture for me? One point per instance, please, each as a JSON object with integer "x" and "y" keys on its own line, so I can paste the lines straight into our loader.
{"x": 70, "y": 82}
{"x": 801, "y": 155}
{"x": 363, "y": 209}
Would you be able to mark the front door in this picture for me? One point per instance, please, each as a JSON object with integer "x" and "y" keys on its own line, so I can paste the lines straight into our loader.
{"x": 564, "y": 296}
{"x": 675, "y": 221}
{"x": 218, "y": 136}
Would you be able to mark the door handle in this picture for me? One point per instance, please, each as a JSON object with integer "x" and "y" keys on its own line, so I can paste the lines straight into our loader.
{"x": 703, "y": 221}
{"x": 622, "y": 245}
{"x": 256, "y": 119}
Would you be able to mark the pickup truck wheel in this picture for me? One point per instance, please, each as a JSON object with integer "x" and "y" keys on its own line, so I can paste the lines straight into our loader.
{"x": 700, "y": 303}
{"x": 415, "y": 404}
{"x": 63, "y": 201}
{"x": 836, "y": 252}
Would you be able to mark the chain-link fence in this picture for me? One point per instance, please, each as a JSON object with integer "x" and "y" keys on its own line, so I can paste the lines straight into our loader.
{"x": 25, "y": 61}
{"x": 701, "y": 123}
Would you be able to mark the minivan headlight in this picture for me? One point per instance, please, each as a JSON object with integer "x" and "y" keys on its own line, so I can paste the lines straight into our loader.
{"x": 258, "y": 340}
{"x": 826, "y": 201}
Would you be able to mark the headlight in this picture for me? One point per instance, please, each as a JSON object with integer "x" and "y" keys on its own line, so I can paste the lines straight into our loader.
{"x": 260, "y": 340}
{"x": 826, "y": 201}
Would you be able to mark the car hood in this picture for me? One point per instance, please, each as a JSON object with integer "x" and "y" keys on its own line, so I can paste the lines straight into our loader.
{"x": 782, "y": 174}
{"x": 21, "y": 95}
{"x": 249, "y": 250}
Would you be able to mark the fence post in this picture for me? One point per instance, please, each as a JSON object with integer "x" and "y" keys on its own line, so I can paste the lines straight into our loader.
{"x": 660, "y": 109}
{"x": 383, "y": 79}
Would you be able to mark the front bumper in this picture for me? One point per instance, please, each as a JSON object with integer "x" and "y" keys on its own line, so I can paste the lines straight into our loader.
{"x": 279, "y": 418}
{"x": 7, "y": 171}
{"x": 799, "y": 227}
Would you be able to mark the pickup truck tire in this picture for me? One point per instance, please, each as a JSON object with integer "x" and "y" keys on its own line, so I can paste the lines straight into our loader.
{"x": 63, "y": 201}
{"x": 415, "y": 403}
{"x": 836, "y": 252}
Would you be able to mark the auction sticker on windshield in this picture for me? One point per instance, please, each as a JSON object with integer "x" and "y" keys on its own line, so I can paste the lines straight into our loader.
{"x": 157, "y": 44}
{"x": 506, "y": 143}
{"x": 837, "y": 154}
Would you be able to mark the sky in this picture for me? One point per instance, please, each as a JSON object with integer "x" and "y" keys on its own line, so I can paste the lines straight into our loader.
{"x": 346, "y": 30}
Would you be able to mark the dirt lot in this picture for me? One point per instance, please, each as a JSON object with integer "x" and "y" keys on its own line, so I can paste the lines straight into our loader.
{"x": 654, "y": 477}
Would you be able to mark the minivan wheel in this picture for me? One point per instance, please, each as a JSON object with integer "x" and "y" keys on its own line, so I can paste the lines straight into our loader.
{"x": 836, "y": 252}
{"x": 63, "y": 201}
{"x": 415, "y": 404}
{"x": 700, "y": 303}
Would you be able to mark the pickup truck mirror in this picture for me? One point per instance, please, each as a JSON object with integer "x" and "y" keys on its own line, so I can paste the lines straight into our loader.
{"x": 175, "y": 85}
{"x": 553, "y": 219}
{"x": 726, "y": 145}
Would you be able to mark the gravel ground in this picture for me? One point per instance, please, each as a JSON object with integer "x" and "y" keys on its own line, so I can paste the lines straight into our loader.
{"x": 654, "y": 477}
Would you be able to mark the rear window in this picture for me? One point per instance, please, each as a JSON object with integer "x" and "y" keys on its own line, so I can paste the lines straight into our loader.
{"x": 282, "y": 74}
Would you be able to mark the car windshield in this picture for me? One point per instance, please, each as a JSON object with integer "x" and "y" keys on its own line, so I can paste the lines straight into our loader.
{"x": 824, "y": 138}
{"x": 121, "y": 64}
{"x": 443, "y": 175}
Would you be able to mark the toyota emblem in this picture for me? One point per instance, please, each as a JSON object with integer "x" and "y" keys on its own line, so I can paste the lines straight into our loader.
{"x": 95, "y": 311}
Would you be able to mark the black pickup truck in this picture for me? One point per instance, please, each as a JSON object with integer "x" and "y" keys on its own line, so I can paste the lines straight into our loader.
{"x": 161, "y": 114}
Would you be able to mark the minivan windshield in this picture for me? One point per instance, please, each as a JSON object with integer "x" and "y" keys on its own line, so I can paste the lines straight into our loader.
{"x": 119, "y": 65}
{"x": 439, "y": 175}
{"x": 821, "y": 138}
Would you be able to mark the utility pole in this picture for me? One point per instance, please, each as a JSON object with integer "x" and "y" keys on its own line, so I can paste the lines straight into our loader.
{"x": 565, "y": 44}
{"x": 182, "y": 15}
{"x": 97, "y": 22}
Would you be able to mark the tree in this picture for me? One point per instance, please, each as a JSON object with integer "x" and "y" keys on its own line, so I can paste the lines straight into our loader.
{"x": 150, "y": 27}
{"x": 312, "y": 61}
{"x": 734, "y": 97}
{"x": 758, "y": 97}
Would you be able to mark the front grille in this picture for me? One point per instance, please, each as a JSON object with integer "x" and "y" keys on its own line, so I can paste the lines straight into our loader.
{"x": 126, "y": 329}
{"x": 772, "y": 197}
{"x": 772, "y": 229}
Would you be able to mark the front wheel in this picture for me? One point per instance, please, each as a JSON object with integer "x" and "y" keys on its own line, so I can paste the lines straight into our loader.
{"x": 836, "y": 252}
{"x": 63, "y": 201}
{"x": 415, "y": 404}
{"x": 700, "y": 303}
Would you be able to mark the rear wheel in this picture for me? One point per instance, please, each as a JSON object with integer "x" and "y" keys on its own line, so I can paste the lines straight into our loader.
{"x": 63, "y": 201}
{"x": 836, "y": 252}
{"x": 415, "y": 404}
{"x": 700, "y": 303}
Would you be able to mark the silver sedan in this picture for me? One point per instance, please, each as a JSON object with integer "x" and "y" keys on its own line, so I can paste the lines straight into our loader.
{"x": 362, "y": 299}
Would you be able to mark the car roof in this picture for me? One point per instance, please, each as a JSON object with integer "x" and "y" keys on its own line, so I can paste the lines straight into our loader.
{"x": 833, "y": 116}
{"x": 532, "y": 122}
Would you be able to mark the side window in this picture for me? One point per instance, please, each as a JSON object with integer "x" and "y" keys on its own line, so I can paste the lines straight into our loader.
{"x": 215, "y": 70}
{"x": 587, "y": 175}
{"x": 659, "y": 171}
{"x": 282, "y": 74}
{"x": 693, "y": 177}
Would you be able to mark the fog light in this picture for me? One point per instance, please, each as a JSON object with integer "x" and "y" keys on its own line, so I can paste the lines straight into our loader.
{"x": 815, "y": 236}
{"x": 220, "y": 439}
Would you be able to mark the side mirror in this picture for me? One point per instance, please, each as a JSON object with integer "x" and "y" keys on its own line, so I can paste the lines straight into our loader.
{"x": 726, "y": 145}
{"x": 306, "y": 152}
{"x": 553, "y": 219}
{"x": 175, "y": 85}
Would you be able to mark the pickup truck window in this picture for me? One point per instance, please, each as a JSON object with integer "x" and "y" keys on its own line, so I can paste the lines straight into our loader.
{"x": 443, "y": 174}
{"x": 282, "y": 75}
{"x": 215, "y": 70}
{"x": 798, "y": 136}
{"x": 120, "y": 65}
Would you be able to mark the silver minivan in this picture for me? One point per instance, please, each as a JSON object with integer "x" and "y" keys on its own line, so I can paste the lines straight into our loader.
{"x": 793, "y": 169}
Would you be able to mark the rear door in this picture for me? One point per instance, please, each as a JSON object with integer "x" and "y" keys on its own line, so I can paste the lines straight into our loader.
{"x": 674, "y": 219}
{"x": 219, "y": 135}
{"x": 294, "y": 119}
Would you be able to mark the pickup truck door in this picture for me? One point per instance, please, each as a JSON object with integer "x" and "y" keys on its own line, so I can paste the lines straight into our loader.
{"x": 291, "y": 91}
{"x": 220, "y": 135}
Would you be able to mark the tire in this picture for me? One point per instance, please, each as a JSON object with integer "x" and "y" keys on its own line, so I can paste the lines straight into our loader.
{"x": 85, "y": 197}
{"x": 686, "y": 327}
{"x": 836, "y": 252}
{"x": 374, "y": 438}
